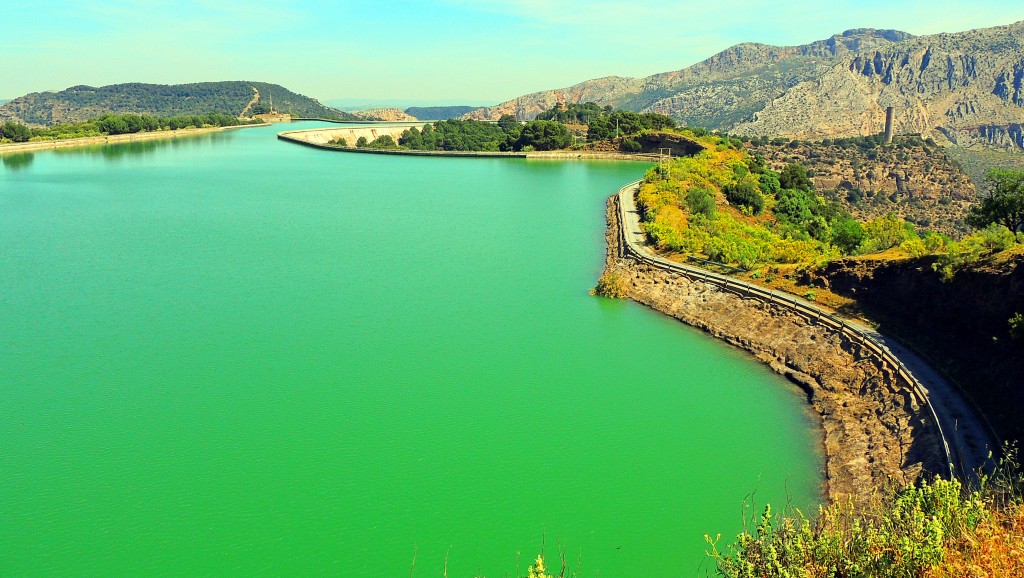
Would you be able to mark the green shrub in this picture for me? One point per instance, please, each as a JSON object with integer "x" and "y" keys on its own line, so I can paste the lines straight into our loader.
{"x": 744, "y": 195}
{"x": 701, "y": 202}
{"x": 631, "y": 146}
{"x": 903, "y": 538}
{"x": 1017, "y": 326}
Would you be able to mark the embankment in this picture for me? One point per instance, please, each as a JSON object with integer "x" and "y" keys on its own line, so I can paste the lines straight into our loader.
{"x": 19, "y": 147}
{"x": 876, "y": 426}
{"x": 319, "y": 137}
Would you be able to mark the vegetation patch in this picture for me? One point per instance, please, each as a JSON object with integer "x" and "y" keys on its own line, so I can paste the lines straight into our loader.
{"x": 939, "y": 529}
{"x": 728, "y": 206}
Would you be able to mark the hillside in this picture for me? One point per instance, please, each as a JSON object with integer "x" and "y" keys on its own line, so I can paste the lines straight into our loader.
{"x": 716, "y": 92}
{"x": 438, "y": 112}
{"x": 912, "y": 179}
{"x": 962, "y": 88}
{"x": 80, "y": 103}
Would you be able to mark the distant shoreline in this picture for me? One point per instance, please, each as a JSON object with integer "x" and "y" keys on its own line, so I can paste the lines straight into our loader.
{"x": 18, "y": 147}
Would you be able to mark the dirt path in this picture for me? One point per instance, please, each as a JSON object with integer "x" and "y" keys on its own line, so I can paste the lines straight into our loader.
{"x": 255, "y": 99}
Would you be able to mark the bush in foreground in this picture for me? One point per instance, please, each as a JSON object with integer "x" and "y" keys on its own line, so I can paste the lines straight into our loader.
{"x": 938, "y": 530}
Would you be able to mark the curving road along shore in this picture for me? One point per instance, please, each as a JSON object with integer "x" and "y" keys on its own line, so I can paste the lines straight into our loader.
{"x": 965, "y": 438}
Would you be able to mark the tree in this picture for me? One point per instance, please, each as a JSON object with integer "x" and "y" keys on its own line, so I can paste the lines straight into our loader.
{"x": 847, "y": 234}
{"x": 1004, "y": 204}
{"x": 794, "y": 176}
{"x": 508, "y": 123}
{"x": 361, "y": 142}
{"x": 544, "y": 135}
{"x": 701, "y": 202}
{"x": 744, "y": 195}
{"x": 384, "y": 141}
{"x": 15, "y": 131}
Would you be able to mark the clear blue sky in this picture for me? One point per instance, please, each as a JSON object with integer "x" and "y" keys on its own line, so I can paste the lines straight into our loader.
{"x": 479, "y": 51}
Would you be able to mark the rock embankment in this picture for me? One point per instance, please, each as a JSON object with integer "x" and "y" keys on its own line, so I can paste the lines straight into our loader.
{"x": 874, "y": 428}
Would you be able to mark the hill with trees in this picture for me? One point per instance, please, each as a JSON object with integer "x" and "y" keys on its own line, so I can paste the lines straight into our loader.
{"x": 438, "y": 112}
{"x": 113, "y": 124}
{"x": 82, "y": 103}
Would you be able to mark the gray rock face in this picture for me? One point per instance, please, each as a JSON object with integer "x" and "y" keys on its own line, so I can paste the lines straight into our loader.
{"x": 965, "y": 88}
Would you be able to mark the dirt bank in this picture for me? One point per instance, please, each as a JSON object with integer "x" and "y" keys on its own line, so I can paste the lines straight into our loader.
{"x": 874, "y": 428}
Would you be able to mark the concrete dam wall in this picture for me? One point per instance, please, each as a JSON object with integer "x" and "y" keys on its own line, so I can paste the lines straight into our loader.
{"x": 322, "y": 136}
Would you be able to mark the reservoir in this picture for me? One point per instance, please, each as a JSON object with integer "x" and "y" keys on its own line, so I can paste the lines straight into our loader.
{"x": 228, "y": 355}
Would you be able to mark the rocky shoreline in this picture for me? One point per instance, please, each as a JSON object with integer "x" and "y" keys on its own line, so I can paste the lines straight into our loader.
{"x": 874, "y": 431}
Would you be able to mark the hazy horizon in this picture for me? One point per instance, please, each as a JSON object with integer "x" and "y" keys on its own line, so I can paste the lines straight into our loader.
{"x": 444, "y": 52}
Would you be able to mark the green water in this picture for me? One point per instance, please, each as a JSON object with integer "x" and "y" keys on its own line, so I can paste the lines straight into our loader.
{"x": 234, "y": 356}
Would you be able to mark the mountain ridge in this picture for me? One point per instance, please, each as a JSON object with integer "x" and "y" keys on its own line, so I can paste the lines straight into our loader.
{"x": 835, "y": 87}
{"x": 82, "y": 102}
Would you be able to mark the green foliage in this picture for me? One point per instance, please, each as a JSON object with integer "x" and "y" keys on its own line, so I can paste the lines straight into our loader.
{"x": 847, "y": 234}
{"x": 744, "y": 195}
{"x": 455, "y": 135}
{"x": 631, "y": 146}
{"x": 624, "y": 124}
{"x": 613, "y": 285}
{"x": 701, "y": 202}
{"x": 795, "y": 176}
{"x": 544, "y": 135}
{"x": 15, "y": 132}
{"x": 1017, "y": 326}
{"x": 769, "y": 182}
{"x": 113, "y": 124}
{"x": 384, "y": 141}
{"x": 362, "y": 142}
{"x": 509, "y": 123}
{"x": 438, "y": 112}
{"x": 884, "y": 233}
{"x": 603, "y": 123}
{"x": 905, "y": 537}
{"x": 340, "y": 141}
{"x": 971, "y": 249}
{"x": 1005, "y": 202}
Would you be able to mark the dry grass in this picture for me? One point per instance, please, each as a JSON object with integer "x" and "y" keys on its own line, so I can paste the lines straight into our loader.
{"x": 994, "y": 550}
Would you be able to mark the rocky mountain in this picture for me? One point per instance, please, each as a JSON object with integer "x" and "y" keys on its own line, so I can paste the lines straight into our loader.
{"x": 229, "y": 97}
{"x": 717, "y": 92}
{"x": 963, "y": 88}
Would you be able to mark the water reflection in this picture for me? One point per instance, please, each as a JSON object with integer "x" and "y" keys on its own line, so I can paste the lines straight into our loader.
{"x": 17, "y": 161}
{"x": 117, "y": 151}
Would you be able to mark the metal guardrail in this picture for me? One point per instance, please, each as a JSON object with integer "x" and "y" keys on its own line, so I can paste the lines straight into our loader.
{"x": 811, "y": 313}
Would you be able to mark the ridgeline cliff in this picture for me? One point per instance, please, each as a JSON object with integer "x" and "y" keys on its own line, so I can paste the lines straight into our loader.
{"x": 963, "y": 88}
